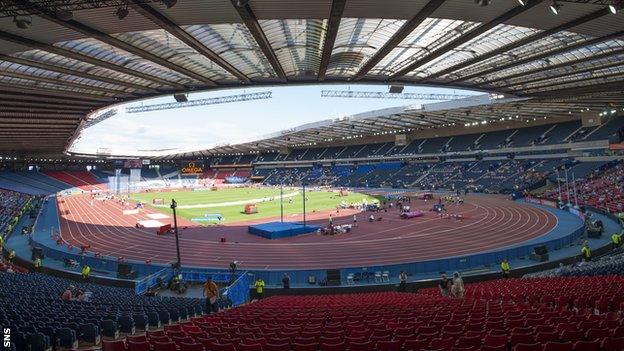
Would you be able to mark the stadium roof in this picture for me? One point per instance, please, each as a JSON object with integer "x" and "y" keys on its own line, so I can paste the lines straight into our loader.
{"x": 60, "y": 60}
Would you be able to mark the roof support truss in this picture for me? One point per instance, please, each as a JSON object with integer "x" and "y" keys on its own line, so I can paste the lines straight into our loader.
{"x": 466, "y": 38}
{"x": 251, "y": 21}
{"x": 335, "y": 15}
{"x": 398, "y": 37}
{"x": 171, "y": 27}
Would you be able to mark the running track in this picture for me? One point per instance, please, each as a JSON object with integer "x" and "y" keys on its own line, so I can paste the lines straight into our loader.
{"x": 491, "y": 222}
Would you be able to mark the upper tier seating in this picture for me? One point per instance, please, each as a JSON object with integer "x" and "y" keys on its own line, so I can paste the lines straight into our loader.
{"x": 80, "y": 179}
{"x": 31, "y": 182}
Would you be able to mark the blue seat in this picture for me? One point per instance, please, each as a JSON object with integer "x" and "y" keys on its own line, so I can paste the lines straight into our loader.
{"x": 174, "y": 315}
{"x": 140, "y": 321}
{"x": 126, "y": 324}
{"x": 109, "y": 329}
{"x": 164, "y": 316}
{"x": 153, "y": 319}
{"x": 66, "y": 338}
{"x": 38, "y": 342}
{"x": 89, "y": 333}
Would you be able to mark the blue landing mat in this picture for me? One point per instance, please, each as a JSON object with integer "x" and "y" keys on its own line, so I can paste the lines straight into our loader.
{"x": 277, "y": 230}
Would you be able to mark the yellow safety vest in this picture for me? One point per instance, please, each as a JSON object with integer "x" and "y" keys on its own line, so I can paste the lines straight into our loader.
{"x": 86, "y": 270}
{"x": 586, "y": 252}
{"x": 505, "y": 266}
{"x": 37, "y": 262}
{"x": 260, "y": 287}
{"x": 616, "y": 239}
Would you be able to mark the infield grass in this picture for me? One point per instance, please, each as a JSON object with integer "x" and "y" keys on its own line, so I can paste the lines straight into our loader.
{"x": 230, "y": 202}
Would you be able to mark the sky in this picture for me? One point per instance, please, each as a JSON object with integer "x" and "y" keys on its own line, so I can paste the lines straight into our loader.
{"x": 202, "y": 127}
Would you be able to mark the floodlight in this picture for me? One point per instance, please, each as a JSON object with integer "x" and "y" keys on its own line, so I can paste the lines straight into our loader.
{"x": 554, "y": 7}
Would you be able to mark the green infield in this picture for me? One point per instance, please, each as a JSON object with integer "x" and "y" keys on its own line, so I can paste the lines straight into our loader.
{"x": 229, "y": 203}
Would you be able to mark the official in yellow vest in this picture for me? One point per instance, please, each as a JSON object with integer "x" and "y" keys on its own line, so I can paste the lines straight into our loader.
{"x": 586, "y": 253}
{"x": 86, "y": 270}
{"x": 11, "y": 256}
{"x": 616, "y": 240}
{"x": 505, "y": 268}
{"x": 259, "y": 285}
{"x": 37, "y": 264}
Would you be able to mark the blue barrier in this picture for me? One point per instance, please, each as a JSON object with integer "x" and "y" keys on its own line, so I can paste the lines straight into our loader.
{"x": 151, "y": 280}
{"x": 238, "y": 292}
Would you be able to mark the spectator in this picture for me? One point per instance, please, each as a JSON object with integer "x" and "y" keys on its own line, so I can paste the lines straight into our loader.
{"x": 586, "y": 252}
{"x": 68, "y": 294}
{"x": 86, "y": 270}
{"x": 286, "y": 281}
{"x": 443, "y": 285}
{"x": 505, "y": 268}
{"x": 458, "y": 286}
{"x": 37, "y": 264}
{"x": 616, "y": 240}
{"x": 259, "y": 285}
{"x": 211, "y": 293}
{"x": 11, "y": 256}
{"x": 402, "y": 281}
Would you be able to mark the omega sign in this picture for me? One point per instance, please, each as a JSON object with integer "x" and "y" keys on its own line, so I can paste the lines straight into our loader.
{"x": 192, "y": 168}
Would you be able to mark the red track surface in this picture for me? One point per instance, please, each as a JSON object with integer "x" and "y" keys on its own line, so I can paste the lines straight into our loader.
{"x": 491, "y": 222}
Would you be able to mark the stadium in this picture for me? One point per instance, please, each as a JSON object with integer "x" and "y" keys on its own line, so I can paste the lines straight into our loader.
{"x": 249, "y": 175}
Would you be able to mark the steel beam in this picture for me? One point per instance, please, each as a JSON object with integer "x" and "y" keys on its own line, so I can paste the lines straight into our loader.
{"x": 251, "y": 21}
{"x": 171, "y": 27}
{"x": 117, "y": 43}
{"x": 58, "y": 69}
{"x": 530, "y": 39}
{"x": 398, "y": 37}
{"x": 518, "y": 62}
{"x": 64, "y": 83}
{"x": 560, "y": 65}
{"x": 33, "y": 44}
{"x": 333, "y": 23}
{"x": 466, "y": 38}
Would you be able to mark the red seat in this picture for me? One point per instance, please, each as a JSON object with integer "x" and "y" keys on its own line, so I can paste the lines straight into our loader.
{"x": 528, "y": 347}
{"x": 222, "y": 347}
{"x": 151, "y": 334}
{"x": 571, "y": 335}
{"x": 361, "y": 346}
{"x": 276, "y": 347}
{"x": 495, "y": 340}
{"x": 174, "y": 327}
{"x": 545, "y": 337}
{"x": 117, "y": 345}
{"x": 558, "y": 346}
{"x": 587, "y": 345}
{"x": 441, "y": 343}
{"x": 465, "y": 341}
{"x": 191, "y": 346}
{"x": 249, "y": 347}
{"x": 180, "y": 339}
{"x": 593, "y": 334}
{"x": 136, "y": 338}
{"x": 164, "y": 346}
{"x": 393, "y": 345}
{"x": 339, "y": 346}
{"x": 138, "y": 346}
{"x": 613, "y": 344}
{"x": 304, "y": 347}
{"x": 415, "y": 344}
{"x": 494, "y": 348}
{"x": 515, "y": 339}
